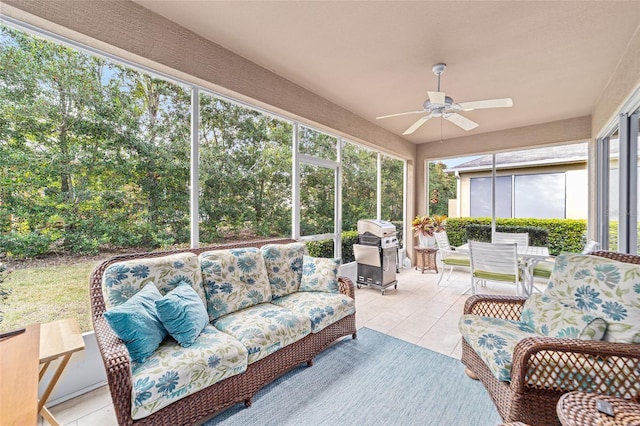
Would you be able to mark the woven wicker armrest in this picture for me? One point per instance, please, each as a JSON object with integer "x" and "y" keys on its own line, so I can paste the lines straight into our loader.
{"x": 549, "y": 363}
{"x": 505, "y": 307}
{"x": 346, "y": 287}
{"x": 117, "y": 365}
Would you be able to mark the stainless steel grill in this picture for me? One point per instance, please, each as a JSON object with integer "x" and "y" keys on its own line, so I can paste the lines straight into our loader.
{"x": 376, "y": 254}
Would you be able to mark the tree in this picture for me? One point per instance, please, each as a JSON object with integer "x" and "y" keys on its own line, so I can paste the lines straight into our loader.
{"x": 442, "y": 188}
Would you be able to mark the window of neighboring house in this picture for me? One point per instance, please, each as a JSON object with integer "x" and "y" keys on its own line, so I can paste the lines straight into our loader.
{"x": 526, "y": 191}
{"x": 481, "y": 196}
{"x": 530, "y": 190}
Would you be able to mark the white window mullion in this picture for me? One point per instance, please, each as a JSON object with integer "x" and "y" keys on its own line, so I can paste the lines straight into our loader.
{"x": 379, "y": 186}
{"x": 295, "y": 184}
{"x": 195, "y": 172}
{"x": 633, "y": 183}
{"x": 624, "y": 176}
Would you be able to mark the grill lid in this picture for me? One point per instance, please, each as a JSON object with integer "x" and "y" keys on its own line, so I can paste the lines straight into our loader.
{"x": 379, "y": 228}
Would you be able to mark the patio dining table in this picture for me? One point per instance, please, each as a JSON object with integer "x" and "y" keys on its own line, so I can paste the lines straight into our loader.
{"x": 530, "y": 256}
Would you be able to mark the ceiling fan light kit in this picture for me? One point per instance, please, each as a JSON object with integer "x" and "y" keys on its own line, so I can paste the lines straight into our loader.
{"x": 440, "y": 105}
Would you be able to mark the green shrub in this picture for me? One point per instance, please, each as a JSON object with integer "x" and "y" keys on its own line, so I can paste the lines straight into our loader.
{"x": 537, "y": 236}
{"x": 324, "y": 248}
{"x": 564, "y": 235}
{"x": 24, "y": 245}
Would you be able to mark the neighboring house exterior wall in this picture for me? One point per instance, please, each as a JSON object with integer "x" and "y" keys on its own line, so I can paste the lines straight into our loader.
{"x": 576, "y": 187}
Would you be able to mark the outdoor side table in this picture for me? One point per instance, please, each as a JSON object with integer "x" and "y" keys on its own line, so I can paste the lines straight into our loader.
{"x": 19, "y": 384}
{"x": 579, "y": 408}
{"x": 426, "y": 259}
{"x": 58, "y": 340}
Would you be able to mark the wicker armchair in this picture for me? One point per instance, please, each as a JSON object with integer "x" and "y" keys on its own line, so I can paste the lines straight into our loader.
{"x": 536, "y": 386}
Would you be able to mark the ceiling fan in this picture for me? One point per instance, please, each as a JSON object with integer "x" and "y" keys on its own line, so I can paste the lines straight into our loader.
{"x": 440, "y": 105}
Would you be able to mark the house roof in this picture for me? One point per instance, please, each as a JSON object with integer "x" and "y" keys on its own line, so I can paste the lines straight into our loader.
{"x": 576, "y": 153}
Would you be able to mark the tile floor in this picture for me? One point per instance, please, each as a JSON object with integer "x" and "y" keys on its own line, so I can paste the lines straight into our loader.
{"x": 419, "y": 312}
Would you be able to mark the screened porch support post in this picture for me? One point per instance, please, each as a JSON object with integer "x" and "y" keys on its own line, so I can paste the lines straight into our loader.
{"x": 337, "y": 221}
{"x": 624, "y": 179}
{"x": 195, "y": 183}
{"x": 601, "y": 213}
{"x": 379, "y": 187}
{"x": 493, "y": 196}
{"x": 295, "y": 184}
{"x": 633, "y": 179}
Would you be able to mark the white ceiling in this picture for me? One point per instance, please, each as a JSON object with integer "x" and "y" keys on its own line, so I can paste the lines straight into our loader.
{"x": 375, "y": 57}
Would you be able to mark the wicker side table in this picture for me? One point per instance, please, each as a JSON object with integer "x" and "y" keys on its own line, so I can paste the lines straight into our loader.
{"x": 579, "y": 408}
{"x": 426, "y": 259}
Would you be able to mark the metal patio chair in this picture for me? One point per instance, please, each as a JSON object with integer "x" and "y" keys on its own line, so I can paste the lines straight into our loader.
{"x": 448, "y": 256}
{"x": 494, "y": 262}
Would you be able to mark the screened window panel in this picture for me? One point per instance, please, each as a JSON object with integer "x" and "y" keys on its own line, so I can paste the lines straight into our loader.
{"x": 245, "y": 172}
{"x": 317, "y": 144}
{"x": 530, "y": 190}
{"x": 317, "y": 200}
{"x": 359, "y": 173}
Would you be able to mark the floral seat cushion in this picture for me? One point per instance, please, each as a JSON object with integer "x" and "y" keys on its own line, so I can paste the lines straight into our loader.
{"x": 284, "y": 266}
{"x": 322, "y": 308}
{"x": 603, "y": 288}
{"x": 122, "y": 280}
{"x": 264, "y": 328}
{"x": 551, "y": 317}
{"x": 234, "y": 279}
{"x": 494, "y": 340}
{"x": 173, "y": 372}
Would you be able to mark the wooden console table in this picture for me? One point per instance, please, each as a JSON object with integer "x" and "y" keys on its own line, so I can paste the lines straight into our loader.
{"x": 19, "y": 383}
{"x": 426, "y": 259}
{"x": 58, "y": 340}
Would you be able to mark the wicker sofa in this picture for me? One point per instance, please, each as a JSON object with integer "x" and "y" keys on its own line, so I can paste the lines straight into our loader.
{"x": 220, "y": 369}
{"x": 529, "y": 367}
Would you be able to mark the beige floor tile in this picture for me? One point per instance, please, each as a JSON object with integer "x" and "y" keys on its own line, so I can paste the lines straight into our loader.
{"x": 104, "y": 417}
{"x": 82, "y": 405}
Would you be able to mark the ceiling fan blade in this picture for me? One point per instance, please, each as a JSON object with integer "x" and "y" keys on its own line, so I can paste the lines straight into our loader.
{"x": 460, "y": 121}
{"x": 416, "y": 125}
{"x": 436, "y": 97}
{"x": 489, "y": 103}
{"x": 400, "y": 113}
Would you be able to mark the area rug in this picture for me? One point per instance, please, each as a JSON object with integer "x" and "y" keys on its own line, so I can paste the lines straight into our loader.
{"x": 373, "y": 380}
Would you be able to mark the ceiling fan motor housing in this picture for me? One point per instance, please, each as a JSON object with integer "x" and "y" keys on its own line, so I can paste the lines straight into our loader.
{"x": 430, "y": 107}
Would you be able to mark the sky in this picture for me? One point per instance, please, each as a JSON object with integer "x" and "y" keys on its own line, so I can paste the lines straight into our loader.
{"x": 452, "y": 162}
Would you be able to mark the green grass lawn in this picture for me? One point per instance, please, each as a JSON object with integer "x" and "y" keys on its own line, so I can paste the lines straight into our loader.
{"x": 43, "y": 294}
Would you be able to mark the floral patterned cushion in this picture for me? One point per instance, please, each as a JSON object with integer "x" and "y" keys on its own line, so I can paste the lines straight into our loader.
{"x": 550, "y": 317}
{"x": 284, "y": 266}
{"x": 603, "y": 288}
{"x": 173, "y": 372}
{"x": 323, "y": 308}
{"x": 234, "y": 279}
{"x": 494, "y": 340}
{"x": 320, "y": 274}
{"x": 122, "y": 280}
{"x": 264, "y": 328}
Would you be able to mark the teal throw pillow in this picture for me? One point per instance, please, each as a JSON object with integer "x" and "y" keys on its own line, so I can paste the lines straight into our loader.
{"x": 319, "y": 274}
{"x": 137, "y": 324}
{"x": 183, "y": 314}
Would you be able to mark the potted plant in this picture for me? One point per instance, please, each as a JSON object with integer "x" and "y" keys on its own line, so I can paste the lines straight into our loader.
{"x": 425, "y": 226}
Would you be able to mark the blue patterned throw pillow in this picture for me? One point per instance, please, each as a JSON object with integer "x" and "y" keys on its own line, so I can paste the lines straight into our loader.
{"x": 320, "y": 274}
{"x": 136, "y": 322}
{"x": 183, "y": 314}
